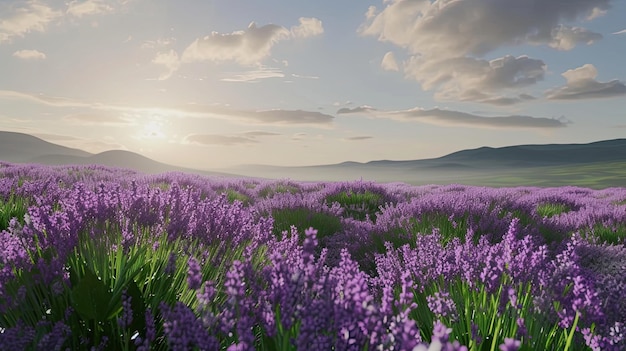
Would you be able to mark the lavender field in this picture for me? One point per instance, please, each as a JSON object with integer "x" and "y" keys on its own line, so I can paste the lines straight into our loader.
{"x": 109, "y": 259}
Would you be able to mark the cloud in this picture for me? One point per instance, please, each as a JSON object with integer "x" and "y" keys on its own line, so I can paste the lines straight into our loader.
{"x": 215, "y": 139}
{"x": 254, "y": 134}
{"x": 357, "y": 138}
{"x": 446, "y": 40}
{"x": 582, "y": 84}
{"x": 250, "y": 46}
{"x": 254, "y": 76}
{"x": 245, "y": 47}
{"x": 32, "y": 16}
{"x": 308, "y": 27}
{"x": 303, "y": 76}
{"x": 159, "y": 43}
{"x": 29, "y": 55}
{"x": 101, "y": 119}
{"x": 623, "y": 31}
{"x": 359, "y": 109}
{"x": 168, "y": 59}
{"x": 290, "y": 117}
{"x": 275, "y": 116}
{"x": 445, "y": 28}
{"x": 471, "y": 79}
{"x": 389, "y": 62}
{"x": 441, "y": 117}
{"x": 566, "y": 38}
{"x": 43, "y": 99}
{"x": 80, "y": 8}
{"x": 456, "y": 118}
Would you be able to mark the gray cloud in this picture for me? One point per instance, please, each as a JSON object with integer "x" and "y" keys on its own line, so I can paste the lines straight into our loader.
{"x": 582, "y": 84}
{"x": 215, "y": 139}
{"x": 470, "y": 79}
{"x": 441, "y": 117}
{"x": 254, "y": 134}
{"x": 358, "y": 109}
{"x": 357, "y": 138}
{"x": 445, "y": 43}
{"x": 457, "y": 118}
{"x": 277, "y": 116}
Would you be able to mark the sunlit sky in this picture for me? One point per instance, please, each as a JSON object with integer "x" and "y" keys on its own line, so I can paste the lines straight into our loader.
{"x": 210, "y": 84}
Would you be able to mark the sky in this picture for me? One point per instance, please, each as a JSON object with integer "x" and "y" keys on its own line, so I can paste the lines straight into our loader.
{"x": 210, "y": 84}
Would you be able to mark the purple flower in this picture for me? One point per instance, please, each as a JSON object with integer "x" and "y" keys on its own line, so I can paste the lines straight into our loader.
{"x": 194, "y": 274}
{"x": 442, "y": 305}
{"x": 510, "y": 344}
{"x": 127, "y": 311}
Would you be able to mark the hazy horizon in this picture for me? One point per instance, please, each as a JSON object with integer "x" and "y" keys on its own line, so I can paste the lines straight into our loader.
{"x": 217, "y": 84}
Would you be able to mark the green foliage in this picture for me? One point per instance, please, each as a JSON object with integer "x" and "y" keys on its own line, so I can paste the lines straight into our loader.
{"x": 303, "y": 218}
{"x": 13, "y": 207}
{"x": 358, "y": 205}
{"x": 493, "y": 316}
{"x": 610, "y": 235}
{"x": 102, "y": 269}
{"x": 551, "y": 209}
{"x": 233, "y": 195}
{"x": 280, "y": 188}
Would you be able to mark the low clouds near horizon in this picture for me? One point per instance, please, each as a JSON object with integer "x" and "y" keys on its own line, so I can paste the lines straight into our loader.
{"x": 451, "y": 118}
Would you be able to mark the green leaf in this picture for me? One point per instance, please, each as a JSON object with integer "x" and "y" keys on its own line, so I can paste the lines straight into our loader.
{"x": 138, "y": 306}
{"x": 90, "y": 297}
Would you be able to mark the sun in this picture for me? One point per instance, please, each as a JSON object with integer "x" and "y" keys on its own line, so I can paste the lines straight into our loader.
{"x": 153, "y": 130}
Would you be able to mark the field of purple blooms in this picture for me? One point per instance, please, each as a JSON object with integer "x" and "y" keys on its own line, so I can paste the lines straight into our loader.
{"x": 109, "y": 259}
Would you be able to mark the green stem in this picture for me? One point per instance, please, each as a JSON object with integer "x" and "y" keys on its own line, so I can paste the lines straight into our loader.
{"x": 570, "y": 337}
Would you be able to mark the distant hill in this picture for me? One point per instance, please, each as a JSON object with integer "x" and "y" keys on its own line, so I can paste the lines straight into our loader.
{"x": 24, "y": 148}
{"x": 584, "y": 164}
{"x": 21, "y": 148}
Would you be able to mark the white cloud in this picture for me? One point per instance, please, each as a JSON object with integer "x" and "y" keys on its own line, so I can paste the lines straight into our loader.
{"x": 250, "y": 46}
{"x": 582, "y": 84}
{"x": 246, "y": 47}
{"x": 101, "y": 119}
{"x": 359, "y": 109}
{"x": 32, "y": 16}
{"x": 304, "y": 76}
{"x": 566, "y": 38}
{"x": 29, "y": 55}
{"x": 389, "y": 62}
{"x": 168, "y": 59}
{"x": 446, "y": 40}
{"x": 159, "y": 43}
{"x": 623, "y": 31}
{"x": 253, "y": 76}
{"x": 80, "y": 8}
{"x": 308, "y": 27}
